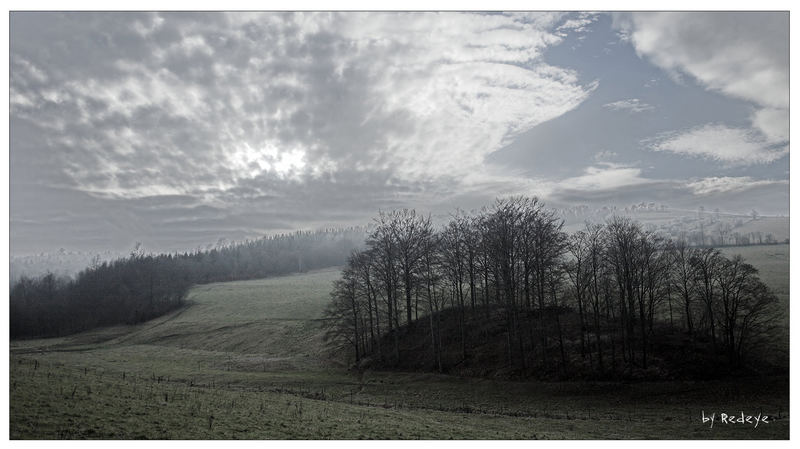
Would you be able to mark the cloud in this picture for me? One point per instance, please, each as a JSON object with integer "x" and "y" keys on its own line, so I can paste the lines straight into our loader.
{"x": 578, "y": 24}
{"x": 191, "y": 104}
{"x": 604, "y": 176}
{"x": 730, "y": 184}
{"x": 605, "y": 155}
{"x": 743, "y": 54}
{"x": 740, "y": 54}
{"x": 632, "y": 105}
{"x": 729, "y": 193}
{"x": 772, "y": 123}
{"x": 732, "y": 146}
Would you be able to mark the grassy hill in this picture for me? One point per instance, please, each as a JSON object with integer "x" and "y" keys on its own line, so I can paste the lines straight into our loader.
{"x": 269, "y": 321}
{"x": 246, "y": 360}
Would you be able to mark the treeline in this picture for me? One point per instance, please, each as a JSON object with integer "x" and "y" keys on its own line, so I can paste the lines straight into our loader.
{"x": 140, "y": 287}
{"x": 600, "y": 299}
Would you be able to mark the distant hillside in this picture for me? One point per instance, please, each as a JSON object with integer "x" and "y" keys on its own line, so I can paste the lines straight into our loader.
{"x": 777, "y": 226}
{"x": 141, "y": 287}
{"x": 696, "y": 227}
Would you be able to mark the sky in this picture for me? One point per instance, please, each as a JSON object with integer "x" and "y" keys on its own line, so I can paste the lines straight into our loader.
{"x": 179, "y": 129}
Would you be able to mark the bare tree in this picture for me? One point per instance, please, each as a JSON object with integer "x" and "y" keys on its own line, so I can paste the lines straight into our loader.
{"x": 744, "y": 304}
{"x": 579, "y": 276}
{"x": 705, "y": 264}
{"x": 411, "y": 231}
{"x": 344, "y": 313}
{"x": 684, "y": 278}
{"x": 382, "y": 242}
{"x": 454, "y": 260}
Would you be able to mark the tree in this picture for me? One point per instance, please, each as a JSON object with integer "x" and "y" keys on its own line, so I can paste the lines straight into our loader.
{"x": 705, "y": 264}
{"x": 598, "y": 283}
{"x": 683, "y": 278}
{"x": 744, "y": 303}
{"x": 579, "y": 275}
{"x": 454, "y": 262}
{"x": 623, "y": 236}
{"x": 410, "y": 232}
{"x": 343, "y": 314}
{"x": 362, "y": 263}
{"x": 382, "y": 242}
{"x": 431, "y": 277}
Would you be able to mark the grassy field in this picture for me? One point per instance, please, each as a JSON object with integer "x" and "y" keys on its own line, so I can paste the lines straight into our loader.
{"x": 772, "y": 262}
{"x": 246, "y": 360}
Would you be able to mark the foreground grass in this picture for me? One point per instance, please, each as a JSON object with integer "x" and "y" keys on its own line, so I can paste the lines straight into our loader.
{"x": 52, "y": 400}
{"x": 245, "y": 361}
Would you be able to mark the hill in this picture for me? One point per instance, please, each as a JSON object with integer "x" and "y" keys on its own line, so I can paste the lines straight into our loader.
{"x": 673, "y": 354}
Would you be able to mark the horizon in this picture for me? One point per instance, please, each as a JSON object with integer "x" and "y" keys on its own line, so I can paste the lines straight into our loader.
{"x": 439, "y": 219}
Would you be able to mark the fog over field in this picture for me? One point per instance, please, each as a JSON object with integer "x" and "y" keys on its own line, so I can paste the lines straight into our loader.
{"x": 399, "y": 225}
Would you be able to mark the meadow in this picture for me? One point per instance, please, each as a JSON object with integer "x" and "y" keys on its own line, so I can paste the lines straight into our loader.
{"x": 247, "y": 360}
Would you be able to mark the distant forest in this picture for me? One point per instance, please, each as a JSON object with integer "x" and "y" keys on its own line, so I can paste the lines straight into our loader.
{"x": 142, "y": 286}
{"x": 506, "y": 289}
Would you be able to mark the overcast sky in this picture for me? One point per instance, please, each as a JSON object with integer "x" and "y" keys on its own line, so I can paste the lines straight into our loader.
{"x": 177, "y": 129}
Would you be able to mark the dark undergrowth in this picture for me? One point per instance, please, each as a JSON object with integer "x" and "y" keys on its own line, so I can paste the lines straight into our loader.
{"x": 673, "y": 354}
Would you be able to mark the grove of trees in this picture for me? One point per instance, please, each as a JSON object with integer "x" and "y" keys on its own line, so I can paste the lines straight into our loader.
{"x": 603, "y": 298}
